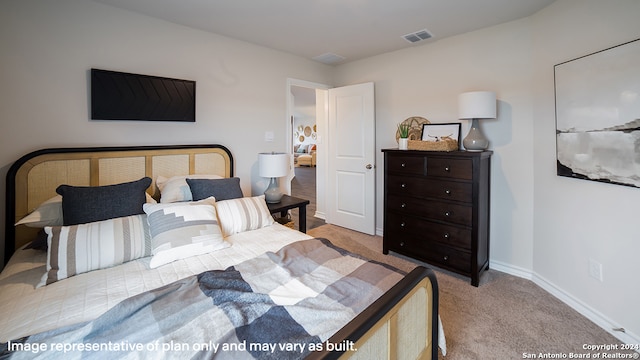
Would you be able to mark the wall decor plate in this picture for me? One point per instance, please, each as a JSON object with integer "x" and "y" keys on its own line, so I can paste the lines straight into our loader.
{"x": 415, "y": 127}
{"x": 307, "y": 131}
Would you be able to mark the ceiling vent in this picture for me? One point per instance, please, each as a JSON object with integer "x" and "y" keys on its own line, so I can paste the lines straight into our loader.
{"x": 417, "y": 36}
{"x": 329, "y": 58}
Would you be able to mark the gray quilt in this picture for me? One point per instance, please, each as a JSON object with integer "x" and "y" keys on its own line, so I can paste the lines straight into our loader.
{"x": 281, "y": 305}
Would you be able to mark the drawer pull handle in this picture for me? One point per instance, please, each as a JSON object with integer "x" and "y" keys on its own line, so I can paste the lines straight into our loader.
{"x": 447, "y": 213}
{"x": 403, "y": 165}
{"x": 447, "y": 169}
{"x": 446, "y": 258}
{"x": 402, "y": 243}
{"x": 448, "y": 192}
{"x": 403, "y": 205}
{"x": 402, "y": 224}
{"x": 403, "y": 185}
{"x": 446, "y": 235}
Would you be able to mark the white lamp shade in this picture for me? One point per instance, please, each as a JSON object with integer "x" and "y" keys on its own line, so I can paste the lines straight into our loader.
{"x": 273, "y": 164}
{"x": 477, "y": 105}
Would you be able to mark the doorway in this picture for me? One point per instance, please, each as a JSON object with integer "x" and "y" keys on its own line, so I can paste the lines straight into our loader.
{"x": 345, "y": 165}
{"x": 306, "y": 104}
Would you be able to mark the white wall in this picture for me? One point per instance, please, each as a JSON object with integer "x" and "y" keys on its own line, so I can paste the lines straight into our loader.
{"x": 543, "y": 227}
{"x": 48, "y": 47}
{"x": 578, "y": 220}
{"x": 426, "y": 80}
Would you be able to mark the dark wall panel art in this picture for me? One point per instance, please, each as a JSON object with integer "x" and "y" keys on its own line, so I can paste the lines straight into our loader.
{"x": 124, "y": 96}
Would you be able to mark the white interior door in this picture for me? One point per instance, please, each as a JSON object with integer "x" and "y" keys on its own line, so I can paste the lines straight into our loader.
{"x": 351, "y": 158}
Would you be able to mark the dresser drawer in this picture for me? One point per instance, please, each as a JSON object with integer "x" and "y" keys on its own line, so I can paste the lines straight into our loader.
{"x": 433, "y": 253}
{"x": 430, "y": 209}
{"x": 430, "y": 188}
{"x": 412, "y": 165}
{"x": 431, "y": 231}
{"x": 450, "y": 168}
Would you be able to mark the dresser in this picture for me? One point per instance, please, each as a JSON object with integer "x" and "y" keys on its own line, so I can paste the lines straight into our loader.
{"x": 436, "y": 208}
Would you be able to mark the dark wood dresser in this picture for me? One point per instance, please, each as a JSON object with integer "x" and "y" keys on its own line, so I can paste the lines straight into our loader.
{"x": 436, "y": 208}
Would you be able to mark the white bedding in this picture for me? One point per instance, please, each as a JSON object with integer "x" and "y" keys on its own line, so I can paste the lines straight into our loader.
{"x": 25, "y": 310}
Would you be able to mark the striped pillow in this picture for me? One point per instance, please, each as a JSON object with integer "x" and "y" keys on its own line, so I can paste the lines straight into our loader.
{"x": 247, "y": 213}
{"x": 77, "y": 249}
{"x": 182, "y": 230}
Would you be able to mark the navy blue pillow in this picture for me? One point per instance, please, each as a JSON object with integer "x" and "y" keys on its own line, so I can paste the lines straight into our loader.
{"x": 222, "y": 189}
{"x": 85, "y": 204}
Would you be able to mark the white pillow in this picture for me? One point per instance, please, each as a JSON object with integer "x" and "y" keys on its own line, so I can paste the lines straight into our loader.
{"x": 77, "y": 249}
{"x": 182, "y": 230}
{"x": 176, "y": 189}
{"x": 49, "y": 213}
{"x": 247, "y": 213}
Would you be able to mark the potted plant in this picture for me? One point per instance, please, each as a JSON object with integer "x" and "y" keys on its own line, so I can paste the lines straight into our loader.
{"x": 403, "y": 141}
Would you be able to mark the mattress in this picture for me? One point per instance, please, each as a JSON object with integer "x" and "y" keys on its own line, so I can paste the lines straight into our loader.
{"x": 26, "y": 310}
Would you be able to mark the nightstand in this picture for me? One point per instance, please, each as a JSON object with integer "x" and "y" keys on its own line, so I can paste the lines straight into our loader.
{"x": 289, "y": 202}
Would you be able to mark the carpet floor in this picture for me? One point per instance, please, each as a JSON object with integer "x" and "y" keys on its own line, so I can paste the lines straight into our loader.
{"x": 303, "y": 186}
{"x": 506, "y": 317}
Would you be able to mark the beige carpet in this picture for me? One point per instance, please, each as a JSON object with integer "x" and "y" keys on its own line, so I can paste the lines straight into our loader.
{"x": 505, "y": 317}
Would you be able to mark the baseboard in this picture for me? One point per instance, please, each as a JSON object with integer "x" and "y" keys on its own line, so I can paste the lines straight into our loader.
{"x": 585, "y": 310}
{"x": 511, "y": 270}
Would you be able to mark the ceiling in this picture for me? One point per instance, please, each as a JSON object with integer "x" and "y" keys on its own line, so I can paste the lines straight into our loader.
{"x": 322, "y": 29}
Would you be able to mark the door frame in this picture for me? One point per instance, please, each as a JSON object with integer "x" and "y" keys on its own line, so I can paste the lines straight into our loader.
{"x": 322, "y": 120}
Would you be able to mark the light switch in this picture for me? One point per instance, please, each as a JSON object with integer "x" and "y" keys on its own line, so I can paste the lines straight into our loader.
{"x": 268, "y": 136}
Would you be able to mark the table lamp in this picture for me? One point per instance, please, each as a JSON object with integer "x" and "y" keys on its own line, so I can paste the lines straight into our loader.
{"x": 273, "y": 165}
{"x": 476, "y": 105}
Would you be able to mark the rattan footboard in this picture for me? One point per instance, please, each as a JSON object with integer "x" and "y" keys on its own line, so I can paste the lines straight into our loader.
{"x": 402, "y": 324}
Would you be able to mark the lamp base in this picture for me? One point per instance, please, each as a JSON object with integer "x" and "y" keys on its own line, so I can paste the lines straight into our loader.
{"x": 273, "y": 194}
{"x": 475, "y": 140}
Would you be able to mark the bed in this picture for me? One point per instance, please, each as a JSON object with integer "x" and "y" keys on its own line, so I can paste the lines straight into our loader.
{"x": 237, "y": 289}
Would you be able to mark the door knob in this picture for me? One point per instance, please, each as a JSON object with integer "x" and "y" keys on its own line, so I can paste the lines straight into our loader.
{"x": 369, "y": 166}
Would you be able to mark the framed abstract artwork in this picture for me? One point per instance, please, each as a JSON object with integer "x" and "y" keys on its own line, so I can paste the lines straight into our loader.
{"x": 598, "y": 116}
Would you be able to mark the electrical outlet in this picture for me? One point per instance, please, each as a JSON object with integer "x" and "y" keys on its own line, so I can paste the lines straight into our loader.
{"x": 595, "y": 269}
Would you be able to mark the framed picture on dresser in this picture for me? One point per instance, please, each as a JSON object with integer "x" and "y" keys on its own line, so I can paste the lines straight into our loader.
{"x": 439, "y": 132}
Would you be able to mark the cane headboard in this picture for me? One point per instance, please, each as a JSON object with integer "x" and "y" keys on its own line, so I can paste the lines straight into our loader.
{"x": 33, "y": 178}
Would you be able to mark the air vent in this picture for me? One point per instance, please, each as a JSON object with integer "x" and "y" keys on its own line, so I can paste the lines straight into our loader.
{"x": 417, "y": 36}
{"x": 329, "y": 58}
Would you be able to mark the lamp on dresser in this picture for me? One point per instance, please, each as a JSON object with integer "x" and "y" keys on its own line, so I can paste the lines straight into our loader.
{"x": 476, "y": 105}
{"x": 273, "y": 165}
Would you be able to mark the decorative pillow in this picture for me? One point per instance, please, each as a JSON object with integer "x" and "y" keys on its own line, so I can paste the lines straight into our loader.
{"x": 176, "y": 189}
{"x": 82, "y": 248}
{"x": 85, "y": 204}
{"x": 49, "y": 213}
{"x": 182, "y": 230}
{"x": 221, "y": 189}
{"x": 248, "y": 213}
